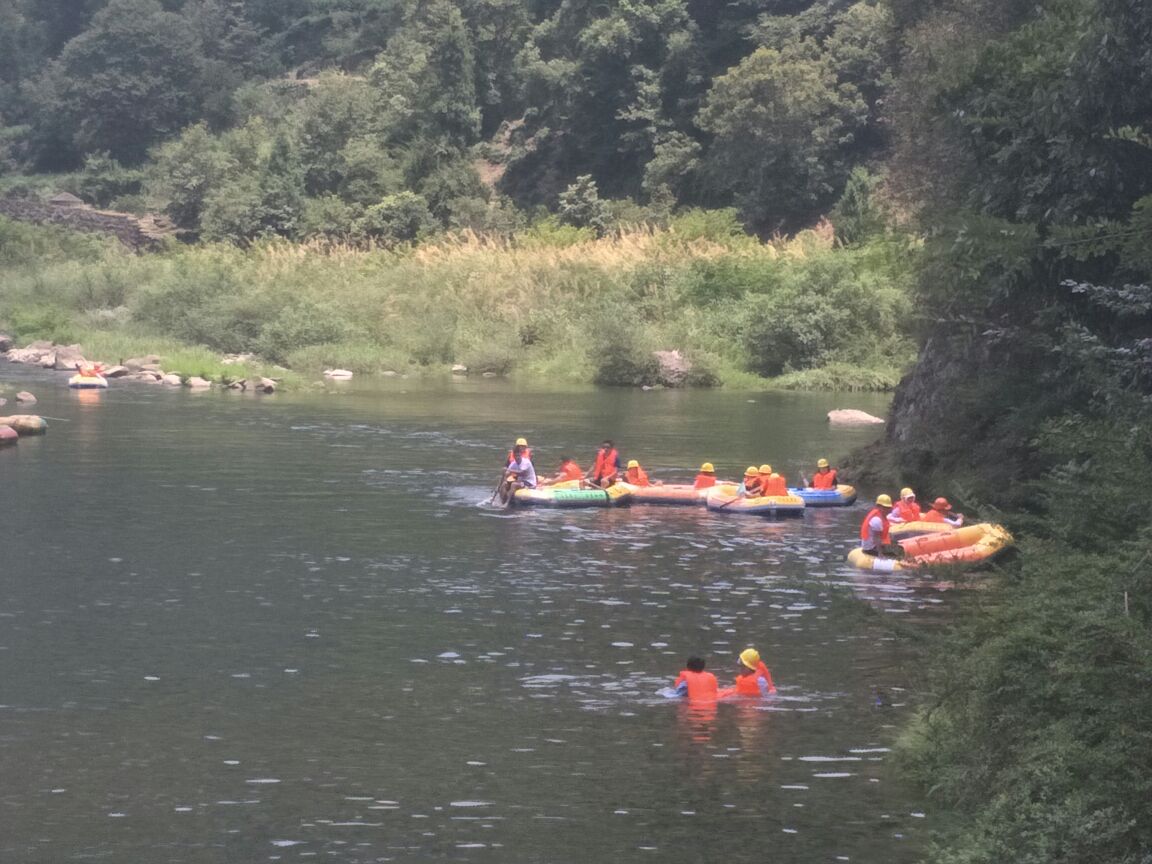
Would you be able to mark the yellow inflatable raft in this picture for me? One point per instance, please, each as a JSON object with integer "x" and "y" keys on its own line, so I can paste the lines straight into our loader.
{"x": 965, "y": 547}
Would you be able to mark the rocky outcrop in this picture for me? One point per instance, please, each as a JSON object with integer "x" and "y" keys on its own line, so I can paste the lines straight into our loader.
{"x": 26, "y": 424}
{"x": 137, "y": 233}
{"x": 852, "y": 417}
{"x": 672, "y": 368}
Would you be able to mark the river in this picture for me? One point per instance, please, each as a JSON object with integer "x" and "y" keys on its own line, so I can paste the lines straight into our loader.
{"x": 243, "y": 629}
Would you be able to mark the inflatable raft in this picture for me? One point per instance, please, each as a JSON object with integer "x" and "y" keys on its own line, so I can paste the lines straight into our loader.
{"x": 904, "y": 530}
{"x": 842, "y": 496}
{"x": 969, "y": 546}
{"x": 669, "y": 493}
{"x": 87, "y": 382}
{"x": 725, "y": 498}
{"x": 571, "y": 495}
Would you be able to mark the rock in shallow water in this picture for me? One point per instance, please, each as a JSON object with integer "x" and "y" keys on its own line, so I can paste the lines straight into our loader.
{"x": 852, "y": 417}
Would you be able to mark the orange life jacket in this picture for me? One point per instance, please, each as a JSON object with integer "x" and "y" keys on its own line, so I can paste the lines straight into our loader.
{"x": 933, "y": 516}
{"x": 702, "y": 686}
{"x": 775, "y": 484}
{"x": 824, "y": 479}
{"x": 571, "y": 471}
{"x": 909, "y": 511}
{"x": 512, "y": 457}
{"x": 866, "y": 531}
{"x": 637, "y": 477}
{"x": 704, "y": 481}
{"x": 748, "y": 685}
{"x": 605, "y": 466}
{"x": 753, "y": 487}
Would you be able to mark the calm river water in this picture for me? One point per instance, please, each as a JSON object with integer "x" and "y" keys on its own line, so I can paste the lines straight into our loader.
{"x": 243, "y": 629}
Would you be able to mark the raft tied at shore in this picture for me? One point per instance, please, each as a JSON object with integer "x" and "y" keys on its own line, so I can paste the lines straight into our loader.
{"x": 965, "y": 547}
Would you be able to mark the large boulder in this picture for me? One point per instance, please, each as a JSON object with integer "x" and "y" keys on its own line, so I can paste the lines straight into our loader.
{"x": 48, "y": 361}
{"x": 263, "y": 385}
{"x": 26, "y": 424}
{"x": 852, "y": 417}
{"x": 26, "y": 397}
{"x": 117, "y": 372}
{"x": 672, "y": 368}
{"x": 147, "y": 363}
{"x": 338, "y": 374}
{"x": 68, "y": 357}
{"x": 172, "y": 380}
{"x": 198, "y": 383}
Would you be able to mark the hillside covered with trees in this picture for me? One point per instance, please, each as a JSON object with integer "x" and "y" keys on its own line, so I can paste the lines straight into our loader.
{"x": 391, "y": 118}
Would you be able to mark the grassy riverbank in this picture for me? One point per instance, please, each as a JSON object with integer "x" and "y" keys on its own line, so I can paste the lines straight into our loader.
{"x": 551, "y": 302}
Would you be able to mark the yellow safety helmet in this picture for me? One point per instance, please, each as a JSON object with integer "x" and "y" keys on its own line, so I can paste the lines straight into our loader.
{"x": 884, "y": 500}
{"x": 750, "y": 657}
{"x": 751, "y": 472}
{"x": 821, "y": 463}
{"x": 708, "y": 468}
{"x": 632, "y": 463}
{"x": 765, "y": 468}
{"x": 907, "y": 492}
{"x": 521, "y": 442}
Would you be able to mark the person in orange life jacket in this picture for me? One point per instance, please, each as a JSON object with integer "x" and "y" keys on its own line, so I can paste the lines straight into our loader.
{"x": 874, "y": 539}
{"x": 706, "y": 479}
{"x": 606, "y": 469}
{"x": 520, "y": 474}
{"x": 520, "y": 442}
{"x": 906, "y": 510}
{"x": 942, "y": 512}
{"x": 568, "y": 470}
{"x": 752, "y": 486}
{"x": 695, "y": 683}
{"x": 772, "y": 483}
{"x": 636, "y": 475}
{"x": 824, "y": 478}
{"x": 753, "y": 679}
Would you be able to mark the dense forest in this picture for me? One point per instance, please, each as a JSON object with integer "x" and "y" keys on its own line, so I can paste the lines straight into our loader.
{"x": 390, "y": 118}
{"x": 986, "y": 166}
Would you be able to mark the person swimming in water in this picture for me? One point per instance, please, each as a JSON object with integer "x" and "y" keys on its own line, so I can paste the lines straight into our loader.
{"x": 695, "y": 683}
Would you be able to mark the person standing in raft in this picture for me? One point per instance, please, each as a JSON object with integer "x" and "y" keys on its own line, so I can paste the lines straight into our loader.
{"x": 752, "y": 486}
{"x": 753, "y": 679}
{"x": 520, "y": 474}
{"x": 906, "y": 510}
{"x": 568, "y": 471}
{"x": 874, "y": 539}
{"x": 824, "y": 478}
{"x": 520, "y": 442}
{"x": 695, "y": 683}
{"x": 606, "y": 469}
{"x": 942, "y": 512}
{"x": 706, "y": 479}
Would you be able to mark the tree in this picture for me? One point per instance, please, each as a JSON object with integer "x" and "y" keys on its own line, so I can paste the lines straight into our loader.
{"x": 782, "y": 126}
{"x": 132, "y": 79}
{"x": 581, "y": 207}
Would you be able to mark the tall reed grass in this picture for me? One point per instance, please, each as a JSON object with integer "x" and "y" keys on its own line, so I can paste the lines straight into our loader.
{"x": 565, "y": 305}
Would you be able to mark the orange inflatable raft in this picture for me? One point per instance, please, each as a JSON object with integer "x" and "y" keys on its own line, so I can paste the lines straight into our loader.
{"x": 669, "y": 493}
{"x": 969, "y": 546}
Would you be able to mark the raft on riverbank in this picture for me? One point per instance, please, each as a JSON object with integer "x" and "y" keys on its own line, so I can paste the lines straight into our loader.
{"x": 967, "y": 547}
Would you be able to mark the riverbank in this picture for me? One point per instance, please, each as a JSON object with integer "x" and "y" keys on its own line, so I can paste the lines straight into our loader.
{"x": 553, "y": 303}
